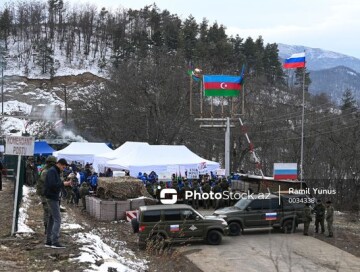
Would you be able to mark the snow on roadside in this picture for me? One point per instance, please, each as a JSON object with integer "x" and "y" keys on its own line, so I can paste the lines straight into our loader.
{"x": 22, "y": 227}
{"x": 94, "y": 250}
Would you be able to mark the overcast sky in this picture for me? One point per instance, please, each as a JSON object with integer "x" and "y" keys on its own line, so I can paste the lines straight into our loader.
{"x": 328, "y": 24}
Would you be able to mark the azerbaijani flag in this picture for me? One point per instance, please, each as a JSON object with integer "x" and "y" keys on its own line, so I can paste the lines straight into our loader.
{"x": 295, "y": 61}
{"x": 221, "y": 85}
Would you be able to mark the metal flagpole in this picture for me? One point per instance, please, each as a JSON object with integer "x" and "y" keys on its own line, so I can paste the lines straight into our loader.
{"x": 201, "y": 99}
{"x": 191, "y": 84}
{"x": 227, "y": 147}
{"x": 302, "y": 132}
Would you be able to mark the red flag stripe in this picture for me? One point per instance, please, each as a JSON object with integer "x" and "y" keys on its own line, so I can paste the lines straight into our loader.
{"x": 222, "y": 85}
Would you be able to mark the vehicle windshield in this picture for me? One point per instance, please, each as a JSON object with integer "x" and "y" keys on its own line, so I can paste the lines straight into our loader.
{"x": 242, "y": 203}
{"x": 199, "y": 214}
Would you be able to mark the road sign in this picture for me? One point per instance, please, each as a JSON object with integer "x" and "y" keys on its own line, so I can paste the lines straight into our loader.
{"x": 19, "y": 145}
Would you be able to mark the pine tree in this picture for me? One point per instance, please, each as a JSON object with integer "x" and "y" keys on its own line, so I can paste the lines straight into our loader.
{"x": 348, "y": 101}
{"x": 5, "y": 26}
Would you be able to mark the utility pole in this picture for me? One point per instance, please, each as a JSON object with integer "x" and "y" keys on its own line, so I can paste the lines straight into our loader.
{"x": 227, "y": 147}
{"x": 65, "y": 100}
{"x": 2, "y": 88}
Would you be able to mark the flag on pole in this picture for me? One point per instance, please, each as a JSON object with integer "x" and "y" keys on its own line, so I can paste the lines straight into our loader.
{"x": 191, "y": 72}
{"x": 221, "y": 85}
{"x": 283, "y": 171}
{"x": 295, "y": 61}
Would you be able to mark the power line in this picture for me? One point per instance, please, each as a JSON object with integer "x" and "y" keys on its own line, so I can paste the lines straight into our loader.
{"x": 307, "y": 136}
{"x": 327, "y": 119}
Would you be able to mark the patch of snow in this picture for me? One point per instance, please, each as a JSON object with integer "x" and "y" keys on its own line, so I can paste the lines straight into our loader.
{"x": 16, "y": 106}
{"x": 94, "y": 249}
{"x": 70, "y": 226}
{"x": 12, "y": 123}
{"x": 351, "y": 73}
{"x": 22, "y": 227}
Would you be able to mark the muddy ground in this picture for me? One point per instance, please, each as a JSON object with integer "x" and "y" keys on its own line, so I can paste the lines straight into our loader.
{"x": 27, "y": 253}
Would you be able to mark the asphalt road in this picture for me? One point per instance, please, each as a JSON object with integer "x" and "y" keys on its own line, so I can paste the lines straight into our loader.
{"x": 258, "y": 250}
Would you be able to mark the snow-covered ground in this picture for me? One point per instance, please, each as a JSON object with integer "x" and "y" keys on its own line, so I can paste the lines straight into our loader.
{"x": 93, "y": 248}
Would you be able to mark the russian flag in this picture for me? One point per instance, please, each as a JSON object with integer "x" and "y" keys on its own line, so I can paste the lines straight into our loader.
{"x": 271, "y": 216}
{"x": 283, "y": 171}
{"x": 174, "y": 228}
{"x": 295, "y": 61}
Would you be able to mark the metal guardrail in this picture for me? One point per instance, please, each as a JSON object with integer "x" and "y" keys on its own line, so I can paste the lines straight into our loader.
{"x": 9, "y": 173}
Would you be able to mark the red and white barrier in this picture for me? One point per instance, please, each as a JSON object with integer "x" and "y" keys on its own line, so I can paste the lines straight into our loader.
{"x": 130, "y": 215}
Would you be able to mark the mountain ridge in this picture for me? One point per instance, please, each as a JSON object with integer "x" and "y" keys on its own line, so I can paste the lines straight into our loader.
{"x": 319, "y": 59}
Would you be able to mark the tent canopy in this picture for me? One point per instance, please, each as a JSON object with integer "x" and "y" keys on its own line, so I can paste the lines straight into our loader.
{"x": 82, "y": 152}
{"x": 123, "y": 150}
{"x": 42, "y": 148}
{"x": 160, "y": 158}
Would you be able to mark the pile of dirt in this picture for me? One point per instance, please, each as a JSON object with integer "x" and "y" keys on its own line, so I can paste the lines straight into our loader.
{"x": 121, "y": 188}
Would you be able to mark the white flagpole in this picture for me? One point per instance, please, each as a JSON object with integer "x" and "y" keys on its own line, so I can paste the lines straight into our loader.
{"x": 302, "y": 132}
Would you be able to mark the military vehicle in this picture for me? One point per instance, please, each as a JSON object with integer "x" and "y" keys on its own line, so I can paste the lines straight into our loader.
{"x": 177, "y": 223}
{"x": 265, "y": 210}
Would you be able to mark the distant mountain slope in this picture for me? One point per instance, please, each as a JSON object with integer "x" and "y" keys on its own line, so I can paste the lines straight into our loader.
{"x": 335, "y": 81}
{"x": 318, "y": 59}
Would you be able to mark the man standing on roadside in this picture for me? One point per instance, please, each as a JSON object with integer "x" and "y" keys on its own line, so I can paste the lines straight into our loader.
{"x": 329, "y": 217}
{"x": 319, "y": 211}
{"x": 52, "y": 188}
{"x": 50, "y": 162}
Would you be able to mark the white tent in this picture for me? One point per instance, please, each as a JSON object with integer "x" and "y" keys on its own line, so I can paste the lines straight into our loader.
{"x": 82, "y": 152}
{"x": 161, "y": 159}
{"x": 101, "y": 159}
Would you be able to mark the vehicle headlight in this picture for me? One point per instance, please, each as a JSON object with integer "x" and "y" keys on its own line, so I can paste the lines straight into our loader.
{"x": 221, "y": 215}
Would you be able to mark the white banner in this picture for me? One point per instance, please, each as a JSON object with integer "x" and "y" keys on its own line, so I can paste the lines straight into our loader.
{"x": 202, "y": 168}
{"x": 19, "y": 145}
{"x": 220, "y": 172}
{"x": 193, "y": 173}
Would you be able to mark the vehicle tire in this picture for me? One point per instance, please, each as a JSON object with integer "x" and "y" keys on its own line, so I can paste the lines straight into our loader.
{"x": 289, "y": 226}
{"x": 135, "y": 225}
{"x": 214, "y": 237}
{"x": 234, "y": 229}
{"x": 157, "y": 241}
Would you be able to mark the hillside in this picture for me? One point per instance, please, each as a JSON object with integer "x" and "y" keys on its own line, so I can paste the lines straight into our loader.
{"x": 335, "y": 81}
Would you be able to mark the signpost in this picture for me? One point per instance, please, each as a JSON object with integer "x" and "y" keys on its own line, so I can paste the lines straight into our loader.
{"x": 20, "y": 146}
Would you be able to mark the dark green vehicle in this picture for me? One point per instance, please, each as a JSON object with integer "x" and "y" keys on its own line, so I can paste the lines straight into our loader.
{"x": 177, "y": 223}
{"x": 265, "y": 210}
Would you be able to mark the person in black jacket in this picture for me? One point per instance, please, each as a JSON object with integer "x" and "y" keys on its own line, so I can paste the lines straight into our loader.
{"x": 52, "y": 187}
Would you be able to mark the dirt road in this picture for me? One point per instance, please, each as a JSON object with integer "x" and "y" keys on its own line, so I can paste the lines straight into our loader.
{"x": 260, "y": 251}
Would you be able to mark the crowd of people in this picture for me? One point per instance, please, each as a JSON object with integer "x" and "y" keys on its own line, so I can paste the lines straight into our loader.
{"x": 322, "y": 212}
{"x": 77, "y": 181}
{"x": 204, "y": 184}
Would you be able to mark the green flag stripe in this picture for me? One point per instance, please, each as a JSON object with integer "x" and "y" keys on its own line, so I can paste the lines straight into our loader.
{"x": 221, "y": 92}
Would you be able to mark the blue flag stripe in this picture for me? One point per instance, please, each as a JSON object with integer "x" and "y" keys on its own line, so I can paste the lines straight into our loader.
{"x": 221, "y": 78}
